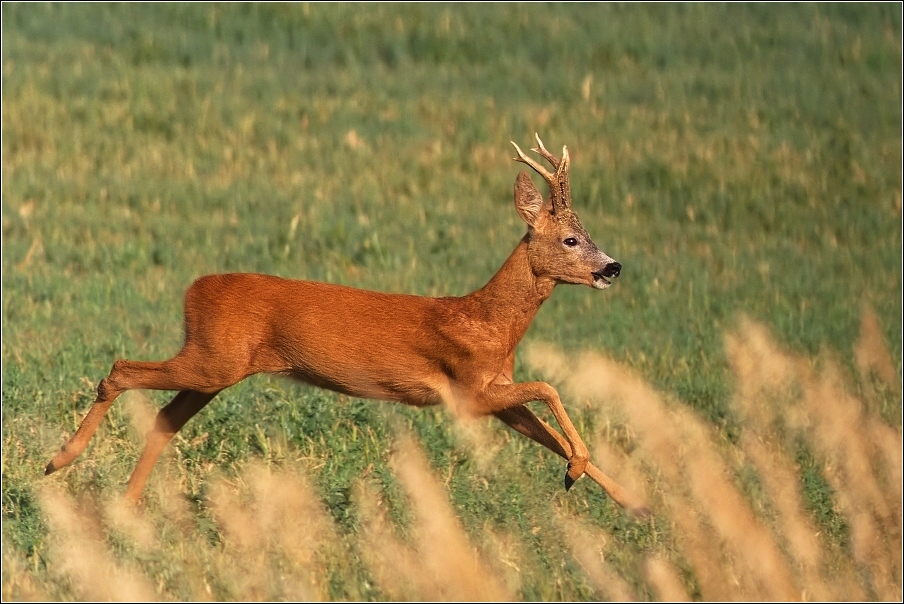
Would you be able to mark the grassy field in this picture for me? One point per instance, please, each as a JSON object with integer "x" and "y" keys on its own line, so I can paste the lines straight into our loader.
{"x": 743, "y": 163}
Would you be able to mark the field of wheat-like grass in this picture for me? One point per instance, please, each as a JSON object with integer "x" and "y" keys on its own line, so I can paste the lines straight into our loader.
{"x": 743, "y": 374}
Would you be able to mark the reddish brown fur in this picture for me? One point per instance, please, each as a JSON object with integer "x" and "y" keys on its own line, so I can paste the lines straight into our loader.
{"x": 417, "y": 350}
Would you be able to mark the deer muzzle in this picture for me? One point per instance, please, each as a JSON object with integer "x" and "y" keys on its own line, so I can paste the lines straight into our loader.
{"x": 602, "y": 276}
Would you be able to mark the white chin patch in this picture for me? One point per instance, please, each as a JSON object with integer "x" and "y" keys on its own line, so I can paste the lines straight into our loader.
{"x": 600, "y": 283}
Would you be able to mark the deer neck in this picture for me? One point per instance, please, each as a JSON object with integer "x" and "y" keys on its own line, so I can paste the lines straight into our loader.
{"x": 514, "y": 294}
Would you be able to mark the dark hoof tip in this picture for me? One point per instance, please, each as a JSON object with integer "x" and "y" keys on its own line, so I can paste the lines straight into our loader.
{"x": 568, "y": 481}
{"x": 49, "y": 469}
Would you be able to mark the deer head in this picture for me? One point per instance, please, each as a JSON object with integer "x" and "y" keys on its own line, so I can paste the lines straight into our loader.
{"x": 559, "y": 247}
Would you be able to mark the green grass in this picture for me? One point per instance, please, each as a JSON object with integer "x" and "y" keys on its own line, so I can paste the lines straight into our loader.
{"x": 737, "y": 160}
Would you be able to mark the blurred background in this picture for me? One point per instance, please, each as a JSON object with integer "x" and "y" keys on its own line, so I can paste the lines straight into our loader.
{"x": 742, "y": 162}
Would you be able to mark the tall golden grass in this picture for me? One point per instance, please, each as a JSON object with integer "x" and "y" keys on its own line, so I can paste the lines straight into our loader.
{"x": 266, "y": 534}
{"x": 782, "y": 399}
{"x": 438, "y": 561}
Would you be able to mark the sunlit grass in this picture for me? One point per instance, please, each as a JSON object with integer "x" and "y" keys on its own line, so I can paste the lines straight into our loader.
{"x": 739, "y": 161}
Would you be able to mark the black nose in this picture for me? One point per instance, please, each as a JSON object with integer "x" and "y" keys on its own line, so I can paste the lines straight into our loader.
{"x": 613, "y": 269}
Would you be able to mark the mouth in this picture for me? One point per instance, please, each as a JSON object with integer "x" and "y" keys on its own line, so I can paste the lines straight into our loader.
{"x": 599, "y": 281}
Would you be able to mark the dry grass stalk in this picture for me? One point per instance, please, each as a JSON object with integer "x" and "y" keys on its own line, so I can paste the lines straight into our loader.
{"x": 447, "y": 551}
{"x": 666, "y": 581}
{"x": 839, "y": 434}
{"x": 140, "y": 410}
{"x": 244, "y": 547}
{"x": 888, "y": 454}
{"x": 274, "y": 537}
{"x": 871, "y": 353}
{"x": 440, "y": 563}
{"x": 18, "y": 583}
{"x": 624, "y": 469}
{"x": 699, "y": 544}
{"x": 798, "y": 530}
{"x": 860, "y": 454}
{"x": 742, "y": 532}
{"x": 394, "y": 565}
{"x": 481, "y": 442}
{"x": 508, "y": 558}
{"x": 299, "y": 523}
{"x": 765, "y": 390}
{"x": 77, "y": 553}
{"x": 587, "y": 545}
{"x": 129, "y": 521}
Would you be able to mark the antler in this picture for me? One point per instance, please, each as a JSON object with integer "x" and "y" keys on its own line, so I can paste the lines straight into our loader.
{"x": 559, "y": 187}
{"x": 546, "y": 154}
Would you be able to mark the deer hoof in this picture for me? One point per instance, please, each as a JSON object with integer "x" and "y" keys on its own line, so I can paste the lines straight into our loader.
{"x": 570, "y": 478}
{"x": 568, "y": 481}
{"x": 571, "y": 475}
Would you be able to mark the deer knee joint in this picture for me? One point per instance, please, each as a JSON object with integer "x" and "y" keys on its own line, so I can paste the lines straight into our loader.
{"x": 579, "y": 461}
{"x": 547, "y": 392}
{"x": 107, "y": 387}
{"x": 106, "y": 390}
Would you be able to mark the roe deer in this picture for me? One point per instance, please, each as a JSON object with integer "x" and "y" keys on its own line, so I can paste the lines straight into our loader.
{"x": 413, "y": 349}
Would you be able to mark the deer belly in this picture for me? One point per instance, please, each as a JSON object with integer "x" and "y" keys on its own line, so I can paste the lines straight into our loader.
{"x": 346, "y": 383}
{"x": 373, "y": 382}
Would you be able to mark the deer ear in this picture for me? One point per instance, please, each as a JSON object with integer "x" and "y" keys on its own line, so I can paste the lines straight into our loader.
{"x": 528, "y": 200}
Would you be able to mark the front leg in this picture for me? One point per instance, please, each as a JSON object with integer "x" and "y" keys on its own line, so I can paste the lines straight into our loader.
{"x": 501, "y": 396}
{"x": 522, "y": 420}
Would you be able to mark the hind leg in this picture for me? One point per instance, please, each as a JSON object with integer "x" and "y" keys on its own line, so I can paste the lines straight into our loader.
{"x": 169, "y": 420}
{"x": 182, "y": 372}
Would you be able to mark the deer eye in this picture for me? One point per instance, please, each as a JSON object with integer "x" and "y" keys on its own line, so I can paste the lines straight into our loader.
{"x": 570, "y": 242}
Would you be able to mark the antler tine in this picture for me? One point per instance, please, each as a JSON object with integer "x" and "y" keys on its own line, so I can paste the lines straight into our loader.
{"x": 546, "y": 154}
{"x": 562, "y": 168}
{"x": 549, "y": 177}
{"x": 562, "y": 179}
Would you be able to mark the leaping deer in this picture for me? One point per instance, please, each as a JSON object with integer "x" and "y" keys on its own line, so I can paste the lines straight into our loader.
{"x": 412, "y": 349}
